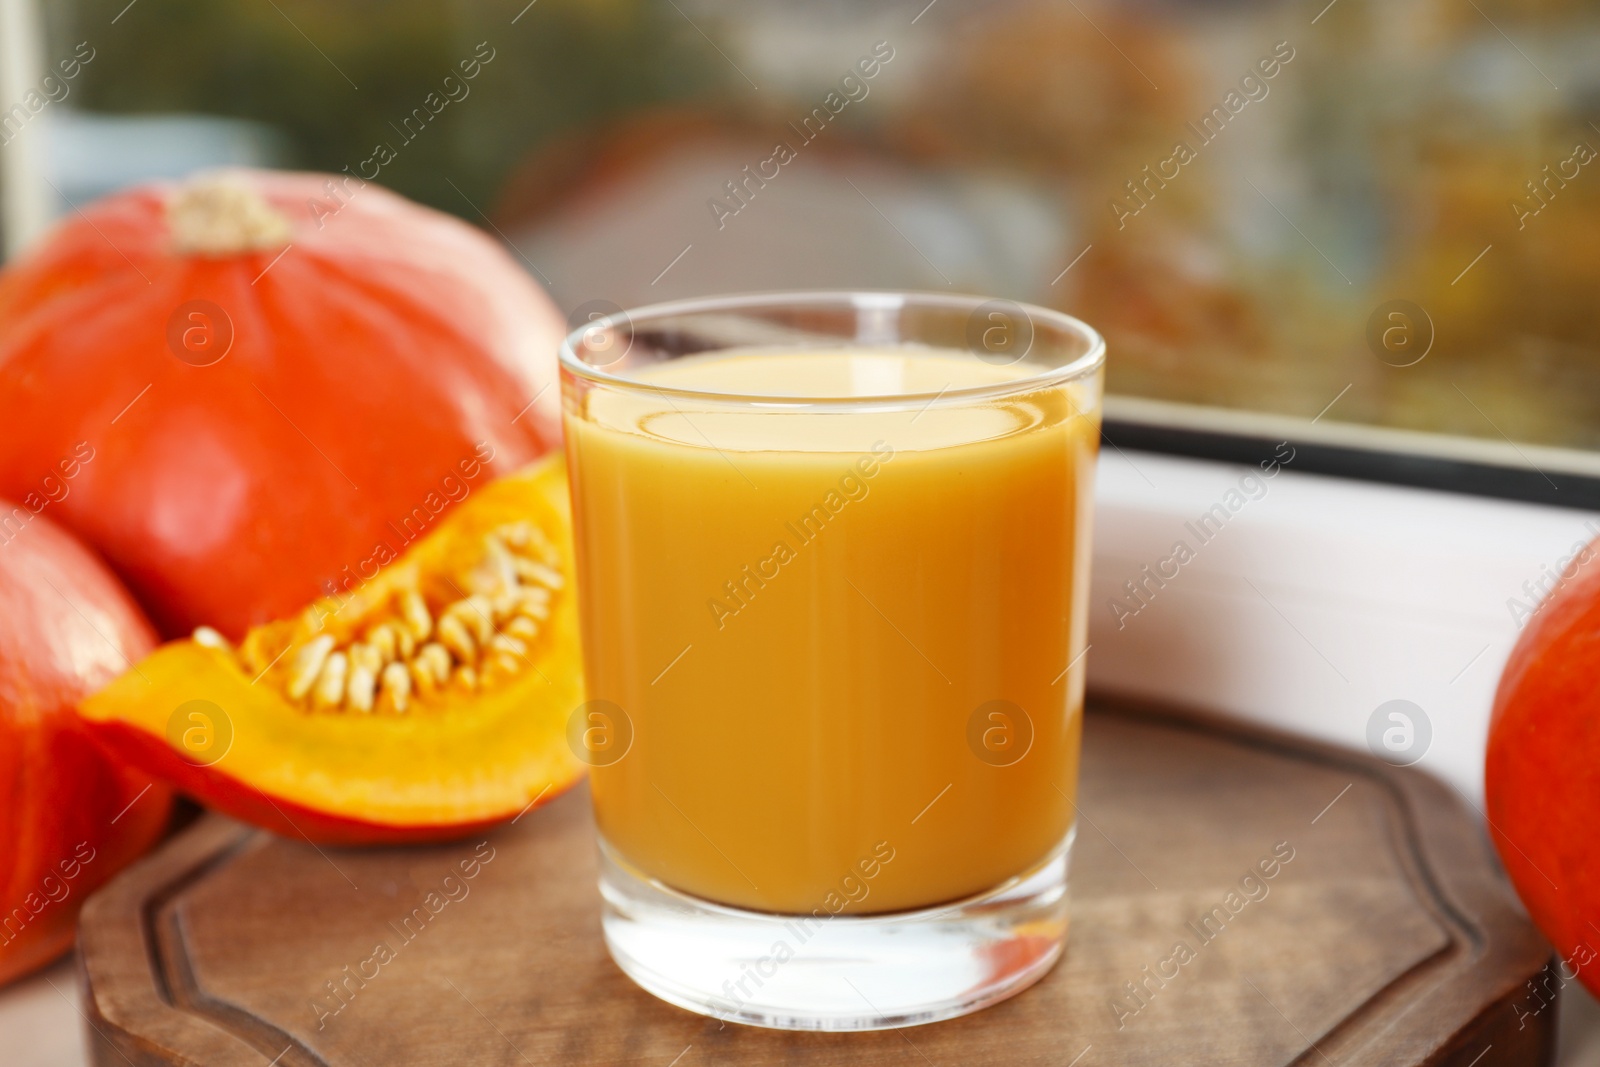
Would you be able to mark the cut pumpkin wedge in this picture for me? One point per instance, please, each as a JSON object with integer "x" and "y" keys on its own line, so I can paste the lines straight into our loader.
{"x": 423, "y": 704}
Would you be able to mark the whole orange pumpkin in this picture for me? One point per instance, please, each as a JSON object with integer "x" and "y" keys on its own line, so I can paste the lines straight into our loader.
{"x": 69, "y": 818}
{"x": 266, "y": 385}
{"x": 1542, "y": 769}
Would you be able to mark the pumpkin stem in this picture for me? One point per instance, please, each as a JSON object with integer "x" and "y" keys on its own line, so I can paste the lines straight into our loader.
{"x": 217, "y": 215}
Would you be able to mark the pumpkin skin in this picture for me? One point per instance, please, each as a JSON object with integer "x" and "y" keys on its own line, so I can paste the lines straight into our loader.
{"x": 448, "y": 766}
{"x": 1542, "y": 769}
{"x": 371, "y": 354}
{"x": 70, "y": 817}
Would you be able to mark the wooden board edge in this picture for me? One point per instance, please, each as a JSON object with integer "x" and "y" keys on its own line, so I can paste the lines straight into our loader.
{"x": 131, "y": 1017}
{"x": 1447, "y": 851}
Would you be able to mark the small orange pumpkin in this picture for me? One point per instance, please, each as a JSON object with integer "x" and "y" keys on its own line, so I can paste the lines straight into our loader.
{"x": 1541, "y": 779}
{"x": 279, "y": 380}
{"x": 70, "y": 818}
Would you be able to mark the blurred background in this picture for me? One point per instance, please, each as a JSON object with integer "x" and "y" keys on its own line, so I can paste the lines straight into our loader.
{"x": 1236, "y": 192}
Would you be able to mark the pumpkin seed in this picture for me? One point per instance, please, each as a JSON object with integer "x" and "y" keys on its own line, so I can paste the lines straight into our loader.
{"x": 309, "y": 662}
{"x": 361, "y": 686}
{"x": 500, "y": 665}
{"x": 433, "y": 659}
{"x": 505, "y": 605}
{"x": 382, "y": 640}
{"x": 507, "y": 644}
{"x": 414, "y": 610}
{"x": 453, "y": 635}
{"x": 496, "y": 572}
{"x": 476, "y": 614}
{"x": 396, "y": 687}
{"x": 328, "y": 693}
{"x": 540, "y": 546}
{"x": 206, "y": 637}
{"x": 540, "y": 573}
{"x": 516, "y": 534}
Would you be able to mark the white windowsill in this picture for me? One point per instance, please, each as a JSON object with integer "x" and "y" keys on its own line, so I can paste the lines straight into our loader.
{"x": 1318, "y": 601}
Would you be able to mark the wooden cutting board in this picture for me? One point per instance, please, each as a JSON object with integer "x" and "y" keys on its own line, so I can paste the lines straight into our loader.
{"x": 1389, "y": 938}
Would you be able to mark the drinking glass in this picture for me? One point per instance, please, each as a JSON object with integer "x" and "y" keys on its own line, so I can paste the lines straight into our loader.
{"x": 832, "y": 555}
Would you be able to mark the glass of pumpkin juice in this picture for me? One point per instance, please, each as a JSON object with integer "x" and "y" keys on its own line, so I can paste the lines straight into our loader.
{"x": 833, "y": 563}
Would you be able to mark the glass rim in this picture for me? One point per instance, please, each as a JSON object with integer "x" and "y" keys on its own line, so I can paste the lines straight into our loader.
{"x": 857, "y": 299}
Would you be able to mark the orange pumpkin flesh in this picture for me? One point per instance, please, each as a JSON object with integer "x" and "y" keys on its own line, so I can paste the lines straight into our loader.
{"x": 457, "y": 667}
{"x": 262, "y": 382}
{"x": 1541, "y": 775}
{"x": 70, "y": 818}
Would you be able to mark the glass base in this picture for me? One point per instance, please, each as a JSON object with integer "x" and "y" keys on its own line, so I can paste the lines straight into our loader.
{"x": 793, "y": 972}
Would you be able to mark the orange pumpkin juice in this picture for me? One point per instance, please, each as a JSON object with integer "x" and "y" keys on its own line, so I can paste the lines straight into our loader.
{"x": 839, "y": 638}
